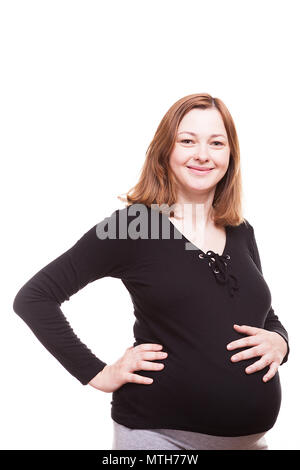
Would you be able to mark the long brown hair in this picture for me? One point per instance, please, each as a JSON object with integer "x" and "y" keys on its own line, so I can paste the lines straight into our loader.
{"x": 157, "y": 184}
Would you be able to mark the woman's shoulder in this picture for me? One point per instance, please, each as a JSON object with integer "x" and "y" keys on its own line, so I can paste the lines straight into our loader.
{"x": 244, "y": 226}
{"x": 244, "y": 230}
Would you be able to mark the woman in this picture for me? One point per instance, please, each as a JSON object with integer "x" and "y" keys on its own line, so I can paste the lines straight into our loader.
{"x": 191, "y": 265}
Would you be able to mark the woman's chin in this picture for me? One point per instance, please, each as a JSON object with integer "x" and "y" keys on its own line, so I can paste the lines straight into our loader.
{"x": 197, "y": 186}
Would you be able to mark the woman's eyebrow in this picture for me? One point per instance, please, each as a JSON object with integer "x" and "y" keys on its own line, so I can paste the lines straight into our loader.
{"x": 194, "y": 134}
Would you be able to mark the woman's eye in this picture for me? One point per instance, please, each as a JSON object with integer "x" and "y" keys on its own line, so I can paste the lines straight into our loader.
{"x": 217, "y": 142}
{"x": 186, "y": 140}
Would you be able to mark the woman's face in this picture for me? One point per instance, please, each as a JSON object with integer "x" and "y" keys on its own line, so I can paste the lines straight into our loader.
{"x": 207, "y": 147}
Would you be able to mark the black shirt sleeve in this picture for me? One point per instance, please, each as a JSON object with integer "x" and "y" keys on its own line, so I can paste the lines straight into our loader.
{"x": 38, "y": 302}
{"x": 272, "y": 322}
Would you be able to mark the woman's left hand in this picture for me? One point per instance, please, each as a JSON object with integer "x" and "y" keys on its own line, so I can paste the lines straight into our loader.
{"x": 268, "y": 344}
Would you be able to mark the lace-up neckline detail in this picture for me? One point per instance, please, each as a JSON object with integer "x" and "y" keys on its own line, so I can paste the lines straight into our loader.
{"x": 219, "y": 264}
{"x": 219, "y": 267}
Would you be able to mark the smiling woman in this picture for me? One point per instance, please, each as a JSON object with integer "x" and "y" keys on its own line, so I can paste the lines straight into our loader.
{"x": 188, "y": 289}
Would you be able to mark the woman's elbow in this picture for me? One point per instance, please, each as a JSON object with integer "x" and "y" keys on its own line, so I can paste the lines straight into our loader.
{"x": 20, "y": 301}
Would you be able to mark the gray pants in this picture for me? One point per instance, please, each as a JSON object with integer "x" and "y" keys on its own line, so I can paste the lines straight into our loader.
{"x": 125, "y": 438}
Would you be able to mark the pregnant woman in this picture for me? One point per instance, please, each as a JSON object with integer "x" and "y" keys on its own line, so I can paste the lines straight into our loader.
{"x": 203, "y": 370}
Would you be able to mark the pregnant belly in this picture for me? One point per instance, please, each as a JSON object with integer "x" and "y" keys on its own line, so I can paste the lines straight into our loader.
{"x": 209, "y": 396}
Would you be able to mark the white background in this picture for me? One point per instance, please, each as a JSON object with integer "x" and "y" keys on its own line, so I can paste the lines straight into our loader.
{"x": 84, "y": 85}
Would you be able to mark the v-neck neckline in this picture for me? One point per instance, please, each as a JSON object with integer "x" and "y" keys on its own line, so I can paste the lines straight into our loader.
{"x": 185, "y": 239}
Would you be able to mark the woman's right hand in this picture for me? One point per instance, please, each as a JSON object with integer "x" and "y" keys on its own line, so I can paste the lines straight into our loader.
{"x": 113, "y": 376}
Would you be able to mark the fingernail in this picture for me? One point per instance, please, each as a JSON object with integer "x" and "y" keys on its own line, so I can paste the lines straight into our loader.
{"x": 265, "y": 379}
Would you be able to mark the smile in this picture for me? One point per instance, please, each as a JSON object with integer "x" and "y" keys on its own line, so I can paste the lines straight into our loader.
{"x": 199, "y": 171}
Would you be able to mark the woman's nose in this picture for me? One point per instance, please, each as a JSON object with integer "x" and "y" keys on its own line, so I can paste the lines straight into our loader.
{"x": 201, "y": 153}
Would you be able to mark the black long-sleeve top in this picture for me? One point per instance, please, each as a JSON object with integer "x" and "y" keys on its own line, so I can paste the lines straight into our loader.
{"x": 183, "y": 298}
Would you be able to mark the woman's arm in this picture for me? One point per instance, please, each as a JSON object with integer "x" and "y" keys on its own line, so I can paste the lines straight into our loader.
{"x": 38, "y": 301}
{"x": 272, "y": 322}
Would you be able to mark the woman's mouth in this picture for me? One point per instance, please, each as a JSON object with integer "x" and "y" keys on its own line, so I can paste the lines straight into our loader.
{"x": 199, "y": 171}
